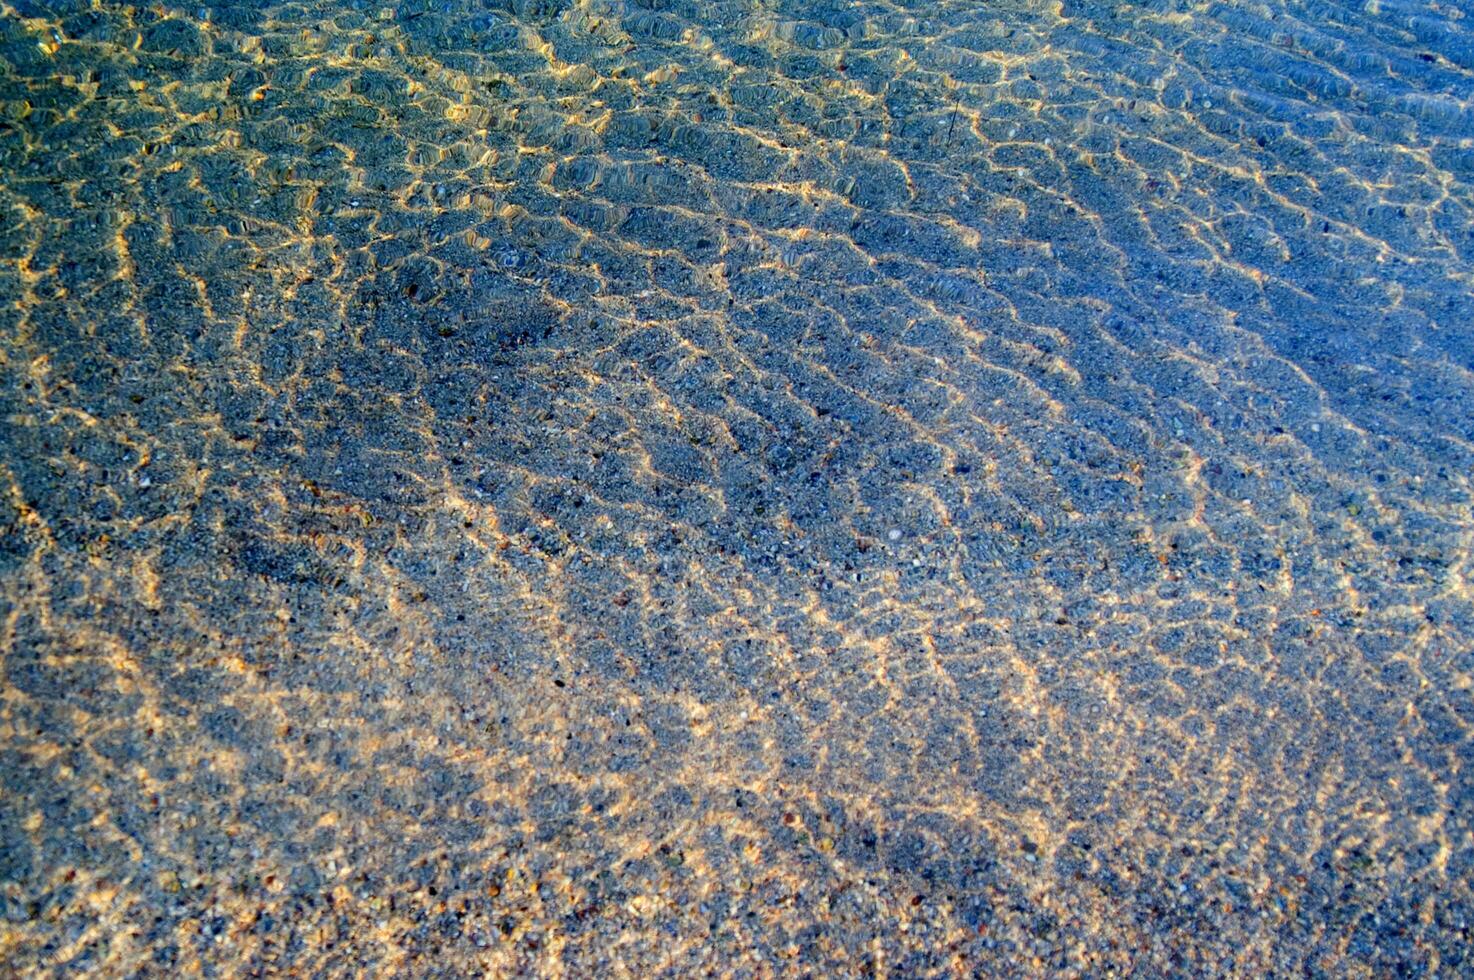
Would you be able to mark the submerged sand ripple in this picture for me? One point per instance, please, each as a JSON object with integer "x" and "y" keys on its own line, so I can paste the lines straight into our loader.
{"x": 609, "y": 488}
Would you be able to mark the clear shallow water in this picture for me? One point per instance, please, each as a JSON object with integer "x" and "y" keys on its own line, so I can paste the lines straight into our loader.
{"x": 749, "y": 488}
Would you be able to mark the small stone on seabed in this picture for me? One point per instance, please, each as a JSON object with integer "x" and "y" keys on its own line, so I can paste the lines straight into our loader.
{"x": 895, "y": 534}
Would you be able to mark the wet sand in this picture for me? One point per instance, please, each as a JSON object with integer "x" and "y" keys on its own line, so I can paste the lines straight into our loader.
{"x": 729, "y": 488}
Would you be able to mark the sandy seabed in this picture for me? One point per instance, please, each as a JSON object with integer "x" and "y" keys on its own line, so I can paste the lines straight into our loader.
{"x": 749, "y": 489}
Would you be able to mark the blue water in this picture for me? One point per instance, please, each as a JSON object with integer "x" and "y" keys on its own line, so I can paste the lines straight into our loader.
{"x": 600, "y": 488}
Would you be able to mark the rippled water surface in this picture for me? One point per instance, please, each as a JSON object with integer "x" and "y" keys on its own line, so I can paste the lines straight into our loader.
{"x": 759, "y": 488}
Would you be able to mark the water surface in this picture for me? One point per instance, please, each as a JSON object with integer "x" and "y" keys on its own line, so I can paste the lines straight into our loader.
{"x": 736, "y": 488}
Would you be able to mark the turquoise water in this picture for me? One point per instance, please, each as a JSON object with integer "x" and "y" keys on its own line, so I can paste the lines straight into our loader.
{"x": 753, "y": 489}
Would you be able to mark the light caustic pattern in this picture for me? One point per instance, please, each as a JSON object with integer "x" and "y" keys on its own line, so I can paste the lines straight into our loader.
{"x": 750, "y": 488}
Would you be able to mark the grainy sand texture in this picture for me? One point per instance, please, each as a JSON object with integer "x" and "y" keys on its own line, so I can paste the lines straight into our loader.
{"x": 736, "y": 488}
